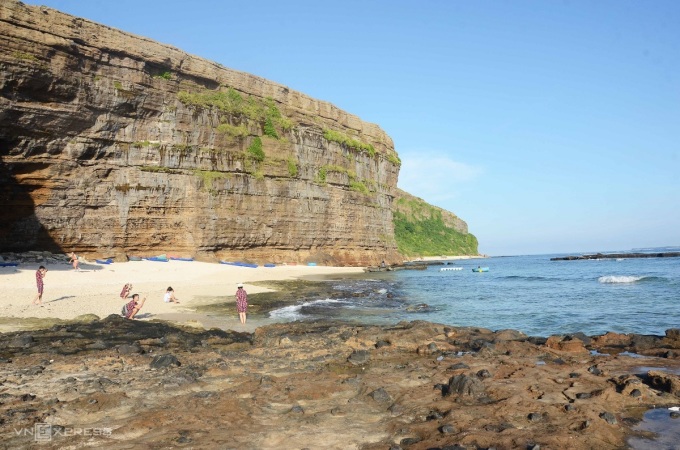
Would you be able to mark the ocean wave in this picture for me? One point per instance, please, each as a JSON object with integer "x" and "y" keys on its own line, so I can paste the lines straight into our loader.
{"x": 293, "y": 312}
{"x": 614, "y": 279}
{"x": 529, "y": 278}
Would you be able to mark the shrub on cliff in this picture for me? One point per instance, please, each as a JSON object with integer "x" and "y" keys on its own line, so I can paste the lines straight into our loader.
{"x": 269, "y": 129}
{"x": 255, "y": 150}
{"x": 430, "y": 237}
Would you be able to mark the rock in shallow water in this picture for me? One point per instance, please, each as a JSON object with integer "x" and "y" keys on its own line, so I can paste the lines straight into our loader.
{"x": 162, "y": 361}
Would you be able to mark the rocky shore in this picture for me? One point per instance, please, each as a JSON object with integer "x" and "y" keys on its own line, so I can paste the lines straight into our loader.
{"x": 115, "y": 383}
{"x": 618, "y": 256}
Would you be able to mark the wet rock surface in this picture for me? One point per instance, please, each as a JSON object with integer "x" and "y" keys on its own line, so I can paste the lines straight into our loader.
{"x": 116, "y": 383}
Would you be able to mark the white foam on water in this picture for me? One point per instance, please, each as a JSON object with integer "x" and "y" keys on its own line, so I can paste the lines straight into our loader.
{"x": 619, "y": 279}
{"x": 292, "y": 312}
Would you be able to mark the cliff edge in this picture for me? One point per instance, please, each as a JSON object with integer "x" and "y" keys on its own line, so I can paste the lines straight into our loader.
{"x": 112, "y": 144}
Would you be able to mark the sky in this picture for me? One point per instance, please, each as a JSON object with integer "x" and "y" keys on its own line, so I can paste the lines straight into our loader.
{"x": 548, "y": 126}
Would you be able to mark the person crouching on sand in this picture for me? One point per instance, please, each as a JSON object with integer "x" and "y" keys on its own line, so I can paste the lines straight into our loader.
{"x": 39, "y": 275}
{"x": 126, "y": 290}
{"x": 131, "y": 308}
{"x": 170, "y": 296}
{"x": 241, "y": 303}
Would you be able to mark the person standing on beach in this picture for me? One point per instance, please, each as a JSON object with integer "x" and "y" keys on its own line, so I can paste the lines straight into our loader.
{"x": 39, "y": 275}
{"x": 241, "y": 302}
{"x": 74, "y": 260}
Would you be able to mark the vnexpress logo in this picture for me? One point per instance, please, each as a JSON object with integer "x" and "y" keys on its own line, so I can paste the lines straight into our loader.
{"x": 42, "y": 432}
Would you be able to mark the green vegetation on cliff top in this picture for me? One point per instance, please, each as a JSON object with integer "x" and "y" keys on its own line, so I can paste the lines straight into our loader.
{"x": 422, "y": 232}
{"x": 352, "y": 144}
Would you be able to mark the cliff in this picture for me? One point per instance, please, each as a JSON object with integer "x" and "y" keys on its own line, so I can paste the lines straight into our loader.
{"x": 112, "y": 144}
{"x": 425, "y": 230}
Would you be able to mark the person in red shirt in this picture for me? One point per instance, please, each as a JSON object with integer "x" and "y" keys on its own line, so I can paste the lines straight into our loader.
{"x": 241, "y": 303}
{"x": 132, "y": 307}
{"x": 39, "y": 275}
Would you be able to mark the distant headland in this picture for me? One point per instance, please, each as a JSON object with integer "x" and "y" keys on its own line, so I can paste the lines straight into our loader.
{"x": 618, "y": 255}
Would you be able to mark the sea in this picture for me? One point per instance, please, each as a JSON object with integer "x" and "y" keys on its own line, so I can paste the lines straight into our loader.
{"x": 528, "y": 293}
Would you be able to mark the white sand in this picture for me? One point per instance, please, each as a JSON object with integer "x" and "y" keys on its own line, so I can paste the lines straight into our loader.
{"x": 96, "y": 288}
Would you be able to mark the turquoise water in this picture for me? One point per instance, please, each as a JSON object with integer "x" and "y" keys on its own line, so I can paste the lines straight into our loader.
{"x": 528, "y": 293}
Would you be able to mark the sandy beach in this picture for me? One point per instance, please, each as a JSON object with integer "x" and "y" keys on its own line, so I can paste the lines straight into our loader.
{"x": 95, "y": 289}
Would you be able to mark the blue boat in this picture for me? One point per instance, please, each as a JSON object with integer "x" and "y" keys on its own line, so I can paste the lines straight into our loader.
{"x": 480, "y": 269}
{"x": 104, "y": 261}
{"x": 9, "y": 264}
{"x": 270, "y": 265}
{"x": 175, "y": 258}
{"x": 239, "y": 264}
{"x": 157, "y": 259}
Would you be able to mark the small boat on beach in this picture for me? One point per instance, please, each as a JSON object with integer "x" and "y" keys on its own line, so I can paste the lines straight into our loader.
{"x": 134, "y": 258}
{"x": 178, "y": 258}
{"x": 239, "y": 264}
{"x": 104, "y": 261}
{"x": 480, "y": 269}
{"x": 159, "y": 258}
{"x": 9, "y": 264}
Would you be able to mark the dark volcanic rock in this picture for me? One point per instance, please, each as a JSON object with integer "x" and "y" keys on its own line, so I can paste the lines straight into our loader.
{"x": 380, "y": 395}
{"x": 359, "y": 357}
{"x": 126, "y": 349}
{"x": 458, "y": 366}
{"x": 447, "y": 429}
{"x": 665, "y": 382}
{"x": 465, "y": 385}
{"x": 230, "y": 387}
{"x": 162, "y": 361}
{"x": 22, "y": 340}
{"x": 609, "y": 418}
{"x": 484, "y": 374}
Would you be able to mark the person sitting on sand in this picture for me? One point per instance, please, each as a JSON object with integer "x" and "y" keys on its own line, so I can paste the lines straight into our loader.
{"x": 126, "y": 290}
{"x": 74, "y": 260}
{"x": 39, "y": 275}
{"x": 131, "y": 308}
{"x": 170, "y": 296}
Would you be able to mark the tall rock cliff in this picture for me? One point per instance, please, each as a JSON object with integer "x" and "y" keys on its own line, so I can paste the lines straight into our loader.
{"x": 113, "y": 144}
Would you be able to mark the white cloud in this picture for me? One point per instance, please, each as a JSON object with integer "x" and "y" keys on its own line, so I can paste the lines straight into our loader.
{"x": 435, "y": 178}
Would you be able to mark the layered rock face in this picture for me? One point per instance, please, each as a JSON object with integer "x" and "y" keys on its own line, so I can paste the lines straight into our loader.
{"x": 112, "y": 144}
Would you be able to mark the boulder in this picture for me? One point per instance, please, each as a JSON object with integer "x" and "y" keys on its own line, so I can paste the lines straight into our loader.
{"x": 566, "y": 344}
